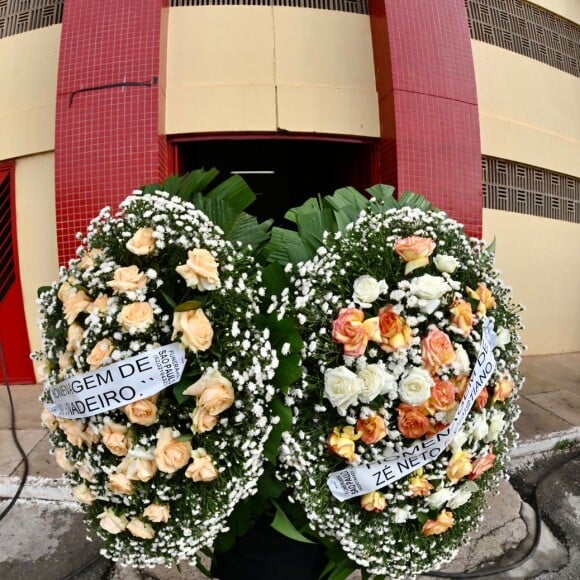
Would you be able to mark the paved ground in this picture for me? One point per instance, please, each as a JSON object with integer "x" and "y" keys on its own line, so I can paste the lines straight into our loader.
{"x": 43, "y": 535}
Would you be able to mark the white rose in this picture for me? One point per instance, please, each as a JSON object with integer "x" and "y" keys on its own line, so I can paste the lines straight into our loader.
{"x": 459, "y": 440}
{"x": 461, "y": 364}
{"x": 415, "y": 388}
{"x": 367, "y": 289}
{"x": 439, "y": 498}
{"x": 401, "y": 515}
{"x": 429, "y": 306}
{"x": 460, "y": 497}
{"x": 479, "y": 426}
{"x": 503, "y": 337}
{"x": 445, "y": 263}
{"x": 429, "y": 287}
{"x": 376, "y": 382}
{"x": 496, "y": 425}
{"x": 342, "y": 388}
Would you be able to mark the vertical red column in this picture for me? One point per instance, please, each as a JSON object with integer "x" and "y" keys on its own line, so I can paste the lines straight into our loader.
{"x": 430, "y": 140}
{"x": 110, "y": 82}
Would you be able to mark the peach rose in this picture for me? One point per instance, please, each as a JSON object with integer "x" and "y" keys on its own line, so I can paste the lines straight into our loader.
{"x": 64, "y": 362}
{"x": 202, "y": 421}
{"x": 142, "y": 412}
{"x": 460, "y": 383}
{"x": 437, "y": 350}
{"x": 482, "y": 464}
{"x": 62, "y": 460}
{"x": 395, "y": 333}
{"x": 443, "y": 522}
{"x": 442, "y": 396}
{"x": 200, "y": 271}
{"x": 74, "y": 337}
{"x": 158, "y": 513}
{"x": 88, "y": 259}
{"x": 459, "y": 466}
{"x": 100, "y": 304}
{"x": 462, "y": 316}
{"x": 502, "y": 390}
{"x": 213, "y": 391}
{"x": 481, "y": 401}
{"x": 412, "y": 421}
{"x": 195, "y": 328}
{"x": 65, "y": 291}
{"x": 86, "y": 471}
{"x": 484, "y": 296}
{"x": 114, "y": 436}
{"x": 171, "y": 454}
{"x": 341, "y": 443}
{"x": 371, "y": 429}
{"x": 135, "y": 317}
{"x": 111, "y": 522}
{"x": 140, "y": 529}
{"x": 127, "y": 279}
{"x": 138, "y": 468}
{"x": 83, "y": 494}
{"x": 119, "y": 483}
{"x": 75, "y": 303}
{"x": 142, "y": 243}
{"x": 373, "y": 502}
{"x": 100, "y": 353}
{"x": 202, "y": 467}
{"x": 415, "y": 250}
{"x": 352, "y": 331}
{"x": 48, "y": 420}
{"x": 74, "y": 431}
{"x": 420, "y": 485}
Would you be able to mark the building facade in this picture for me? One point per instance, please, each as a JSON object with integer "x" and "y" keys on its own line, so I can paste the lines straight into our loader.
{"x": 472, "y": 103}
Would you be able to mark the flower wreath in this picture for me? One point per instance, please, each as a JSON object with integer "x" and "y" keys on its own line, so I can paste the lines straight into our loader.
{"x": 391, "y": 302}
{"x": 158, "y": 477}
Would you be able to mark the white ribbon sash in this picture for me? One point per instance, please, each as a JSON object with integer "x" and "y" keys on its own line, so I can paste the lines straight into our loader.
{"x": 355, "y": 481}
{"x": 118, "y": 384}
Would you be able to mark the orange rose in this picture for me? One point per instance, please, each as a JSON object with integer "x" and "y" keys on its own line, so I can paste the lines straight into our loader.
{"x": 412, "y": 421}
{"x": 395, "y": 332}
{"x": 481, "y": 401}
{"x": 373, "y": 502}
{"x": 442, "y": 396}
{"x": 415, "y": 250}
{"x": 420, "y": 485}
{"x": 459, "y": 466}
{"x": 462, "y": 316}
{"x": 371, "y": 429}
{"x": 502, "y": 390}
{"x": 437, "y": 350}
{"x": 341, "y": 443}
{"x": 482, "y": 464}
{"x": 350, "y": 331}
{"x": 460, "y": 384}
{"x": 484, "y": 296}
{"x": 443, "y": 522}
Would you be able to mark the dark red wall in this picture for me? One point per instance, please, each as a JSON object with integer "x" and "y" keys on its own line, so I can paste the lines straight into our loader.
{"x": 430, "y": 140}
{"x": 107, "y": 139}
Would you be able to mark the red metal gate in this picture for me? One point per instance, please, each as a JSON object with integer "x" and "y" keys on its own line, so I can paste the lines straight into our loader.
{"x": 13, "y": 333}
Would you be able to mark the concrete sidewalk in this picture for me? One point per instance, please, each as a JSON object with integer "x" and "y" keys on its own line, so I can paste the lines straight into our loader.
{"x": 55, "y": 545}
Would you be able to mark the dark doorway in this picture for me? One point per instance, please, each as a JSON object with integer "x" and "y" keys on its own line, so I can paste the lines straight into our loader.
{"x": 283, "y": 173}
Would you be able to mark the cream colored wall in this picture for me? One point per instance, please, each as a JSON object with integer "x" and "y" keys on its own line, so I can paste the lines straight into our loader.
{"x": 28, "y": 69}
{"x": 539, "y": 258}
{"x": 529, "y": 111}
{"x": 36, "y": 231}
{"x": 569, "y": 9}
{"x": 271, "y": 68}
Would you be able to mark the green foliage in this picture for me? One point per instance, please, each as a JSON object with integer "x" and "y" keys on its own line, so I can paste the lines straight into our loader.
{"x": 322, "y": 216}
{"x": 225, "y": 204}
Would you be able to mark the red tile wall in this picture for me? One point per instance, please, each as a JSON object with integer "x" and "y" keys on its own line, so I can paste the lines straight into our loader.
{"x": 108, "y": 139}
{"x": 428, "y": 104}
